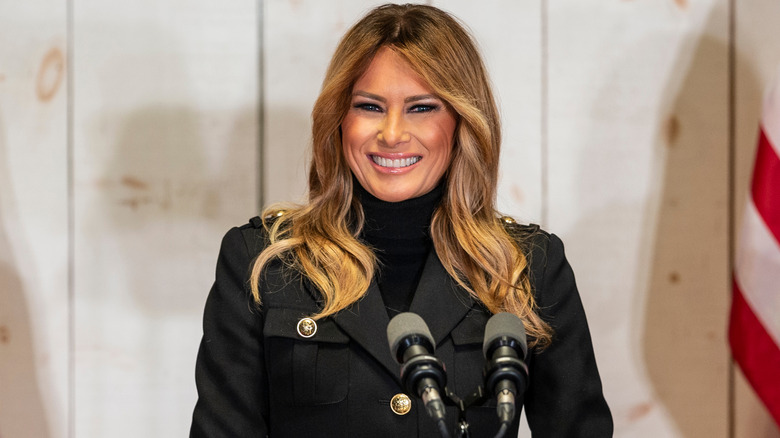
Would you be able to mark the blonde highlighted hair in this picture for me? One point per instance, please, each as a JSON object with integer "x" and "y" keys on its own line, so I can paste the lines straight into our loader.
{"x": 320, "y": 239}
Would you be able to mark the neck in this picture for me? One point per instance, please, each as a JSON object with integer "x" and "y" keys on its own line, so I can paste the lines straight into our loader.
{"x": 409, "y": 219}
{"x": 399, "y": 234}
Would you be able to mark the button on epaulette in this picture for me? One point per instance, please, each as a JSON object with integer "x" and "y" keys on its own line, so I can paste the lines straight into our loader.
{"x": 276, "y": 214}
{"x": 271, "y": 217}
{"x": 518, "y": 230}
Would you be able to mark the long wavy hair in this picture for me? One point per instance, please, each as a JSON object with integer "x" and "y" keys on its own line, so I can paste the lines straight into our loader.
{"x": 320, "y": 239}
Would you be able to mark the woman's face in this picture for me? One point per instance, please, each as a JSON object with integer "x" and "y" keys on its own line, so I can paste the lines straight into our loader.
{"x": 397, "y": 135}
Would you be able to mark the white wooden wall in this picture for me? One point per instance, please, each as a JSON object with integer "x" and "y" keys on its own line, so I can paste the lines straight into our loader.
{"x": 131, "y": 137}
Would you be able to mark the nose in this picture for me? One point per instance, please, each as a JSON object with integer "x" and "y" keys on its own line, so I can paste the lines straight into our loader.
{"x": 393, "y": 130}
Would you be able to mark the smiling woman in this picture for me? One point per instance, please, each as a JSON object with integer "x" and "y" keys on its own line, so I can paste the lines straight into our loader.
{"x": 400, "y": 217}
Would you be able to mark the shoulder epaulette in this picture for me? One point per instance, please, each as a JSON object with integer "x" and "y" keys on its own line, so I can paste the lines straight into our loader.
{"x": 518, "y": 230}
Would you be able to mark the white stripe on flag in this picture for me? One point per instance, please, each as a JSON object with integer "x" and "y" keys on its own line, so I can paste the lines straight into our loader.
{"x": 757, "y": 270}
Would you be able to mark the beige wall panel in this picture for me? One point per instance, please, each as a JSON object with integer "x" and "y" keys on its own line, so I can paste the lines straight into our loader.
{"x": 300, "y": 37}
{"x": 33, "y": 220}
{"x": 509, "y": 34}
{"x": 165, "y": 128}
{"x": 638, "y": 98}
{"x": 757, "y": 65}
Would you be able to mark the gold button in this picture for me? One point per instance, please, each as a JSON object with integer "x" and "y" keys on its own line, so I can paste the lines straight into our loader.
{"x": 507, "y": 219}
{"x": 401, "y": 404}
{"x": 307, "y": 327}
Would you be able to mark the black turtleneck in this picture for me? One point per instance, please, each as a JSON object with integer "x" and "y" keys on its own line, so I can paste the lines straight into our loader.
{"x": 399, "y": 232}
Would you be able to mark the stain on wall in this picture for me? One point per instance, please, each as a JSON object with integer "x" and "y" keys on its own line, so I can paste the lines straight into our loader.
{"x": 51, "y": 74}
{"x": 134, "y": 183}
{"x": 672, "y": 130}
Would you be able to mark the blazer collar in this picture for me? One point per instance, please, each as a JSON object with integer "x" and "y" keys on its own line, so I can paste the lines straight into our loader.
{"x": 438, "y": 300}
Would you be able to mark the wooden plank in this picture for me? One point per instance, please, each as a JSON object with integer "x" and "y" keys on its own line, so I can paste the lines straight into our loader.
{"x": 513, "y": 59}
{"x": 166, "y": 140}
{"x": 638, "y": 183}
{"x": 300, "y": 38}
{"x": 33, "y": 220}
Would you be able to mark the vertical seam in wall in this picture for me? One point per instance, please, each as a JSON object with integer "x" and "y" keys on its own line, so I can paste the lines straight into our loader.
{"x": 260, "y": 173}
{"x": 543, "y": 118}
{"x": 71, "y": 357}
{"x": 732, "y": 147}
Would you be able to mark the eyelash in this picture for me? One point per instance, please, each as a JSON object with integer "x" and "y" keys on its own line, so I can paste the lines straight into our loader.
{"x": 368, "y": 107}
{"x": 423, "y": 108}
{"x": 420, "y": 108}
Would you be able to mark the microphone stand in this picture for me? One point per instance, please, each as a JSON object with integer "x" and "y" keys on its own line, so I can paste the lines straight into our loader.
{"x": 478, "y": 396}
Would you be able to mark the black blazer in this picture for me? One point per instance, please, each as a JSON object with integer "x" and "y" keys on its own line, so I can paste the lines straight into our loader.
{"x": 256, "y": 376}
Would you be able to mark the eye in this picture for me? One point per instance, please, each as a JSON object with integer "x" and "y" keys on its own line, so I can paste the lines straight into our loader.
{"x": 423, "y": 108}
{"x": 366, "y": 106}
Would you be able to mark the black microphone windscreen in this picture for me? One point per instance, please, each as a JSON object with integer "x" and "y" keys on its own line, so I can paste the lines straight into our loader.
{"x": 504, "y": 324}
{"x": 403, "y": 325}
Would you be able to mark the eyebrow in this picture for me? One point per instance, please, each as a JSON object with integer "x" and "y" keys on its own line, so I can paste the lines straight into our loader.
{"x": 407, "y": 100}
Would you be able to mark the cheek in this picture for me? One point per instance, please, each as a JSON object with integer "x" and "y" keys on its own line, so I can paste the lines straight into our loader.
{"x": 353, "y": 135}
{"x": 442, "y": 139}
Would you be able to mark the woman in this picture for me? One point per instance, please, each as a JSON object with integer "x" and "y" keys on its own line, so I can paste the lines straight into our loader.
{"x": 401, "y": 217}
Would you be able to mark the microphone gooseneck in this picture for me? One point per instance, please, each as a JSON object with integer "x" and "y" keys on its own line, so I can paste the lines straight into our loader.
{"x": 505, "y": 373}
{"x": 422, "y": 374}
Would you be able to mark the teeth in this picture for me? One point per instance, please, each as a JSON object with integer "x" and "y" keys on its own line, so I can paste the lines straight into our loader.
{"x": 398, "y": 162}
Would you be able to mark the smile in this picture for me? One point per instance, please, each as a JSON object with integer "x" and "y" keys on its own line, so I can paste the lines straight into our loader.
{"x": 396, "y": 163}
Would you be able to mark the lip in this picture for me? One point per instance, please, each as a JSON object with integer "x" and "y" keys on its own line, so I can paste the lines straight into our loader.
{"x": 394, "y": 156}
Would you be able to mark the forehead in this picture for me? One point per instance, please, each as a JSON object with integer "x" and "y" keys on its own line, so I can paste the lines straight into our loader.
{"x": 389, "y": 72}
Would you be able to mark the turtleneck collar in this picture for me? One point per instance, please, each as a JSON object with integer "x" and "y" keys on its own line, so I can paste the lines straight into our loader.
{"x": 409, "y": 219}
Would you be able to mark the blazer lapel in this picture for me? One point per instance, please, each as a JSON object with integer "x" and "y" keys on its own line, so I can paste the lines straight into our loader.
{"x": 439, "y": 300}
{"x": 366, "y": 323}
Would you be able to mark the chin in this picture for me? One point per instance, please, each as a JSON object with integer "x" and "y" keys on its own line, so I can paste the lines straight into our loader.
{"x": 398, "y": 195}
{"x": 390, "y": 195}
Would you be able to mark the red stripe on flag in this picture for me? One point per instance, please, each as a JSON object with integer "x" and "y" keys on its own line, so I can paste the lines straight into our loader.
{"x": 756, "y": 353}
{"x": 766, "y": 185}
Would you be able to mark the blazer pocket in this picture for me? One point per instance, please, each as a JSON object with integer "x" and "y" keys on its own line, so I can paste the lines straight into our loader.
{"x": 305, "y": 371}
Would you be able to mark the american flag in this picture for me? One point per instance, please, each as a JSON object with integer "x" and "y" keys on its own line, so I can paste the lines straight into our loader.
{"x": 754, "y": 329}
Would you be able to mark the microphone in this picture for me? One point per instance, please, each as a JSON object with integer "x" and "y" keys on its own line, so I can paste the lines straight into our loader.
{"x": 505, "y": 373}
{"x": 422, "y": 374}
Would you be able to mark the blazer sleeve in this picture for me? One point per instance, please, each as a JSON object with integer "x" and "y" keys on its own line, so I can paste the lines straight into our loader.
{"x": 230, "y": 371}
{"x": 564, "y": 396}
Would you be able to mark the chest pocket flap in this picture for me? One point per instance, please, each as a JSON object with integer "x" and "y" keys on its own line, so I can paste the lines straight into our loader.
{"x": 305, "y": 371}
